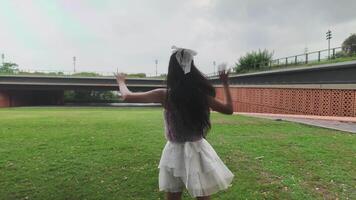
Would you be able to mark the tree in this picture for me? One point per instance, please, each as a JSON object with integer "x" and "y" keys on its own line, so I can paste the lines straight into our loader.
{"x": 349, "y": 44}
{"x": 9, "y": 68}
{"x": 253, "y": 60}
{"x": 90, "y": 96}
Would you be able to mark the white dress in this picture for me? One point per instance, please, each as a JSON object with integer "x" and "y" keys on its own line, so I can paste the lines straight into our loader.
{"x": 194, "y": 166}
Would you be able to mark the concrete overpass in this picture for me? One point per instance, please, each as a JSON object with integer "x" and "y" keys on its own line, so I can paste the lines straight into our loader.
{"x": 335, "y": 84}
{"x": 337, "y": 73}
{"x": 323, "y": 90}
{"x": 20, "y": 82}
{"x": 17, "y": 90}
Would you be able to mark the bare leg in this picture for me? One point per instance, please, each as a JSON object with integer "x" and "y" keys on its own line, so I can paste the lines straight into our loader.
{"x": 203, "y": 198}
{"x": 174, "y": 196}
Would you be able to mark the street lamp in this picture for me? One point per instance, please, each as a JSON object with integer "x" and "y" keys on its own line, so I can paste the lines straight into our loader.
{"x": 214, "y": 64}
{"x": 74, "y": 60}
{"x": 156, "y": 62}
{"x": 328, "y": 38}
{"x": 3, "y": 59}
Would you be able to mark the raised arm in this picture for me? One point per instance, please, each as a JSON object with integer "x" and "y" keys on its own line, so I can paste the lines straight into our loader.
{"x": 153, "y": 96}
{"x": 219, "y": 106}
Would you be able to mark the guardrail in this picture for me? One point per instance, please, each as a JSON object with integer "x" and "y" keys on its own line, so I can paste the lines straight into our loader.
{"x": 314, "y": 57}
{"x": 331, "y": 73}
{"x": 307, "y": 58}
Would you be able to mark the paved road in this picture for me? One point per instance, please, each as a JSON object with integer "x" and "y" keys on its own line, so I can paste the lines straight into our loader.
{"x": 346, "y": 124}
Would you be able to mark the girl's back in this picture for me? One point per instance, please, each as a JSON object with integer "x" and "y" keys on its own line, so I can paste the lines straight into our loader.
{"x": 188, "y": 160}
{"x": 187, "y": 111}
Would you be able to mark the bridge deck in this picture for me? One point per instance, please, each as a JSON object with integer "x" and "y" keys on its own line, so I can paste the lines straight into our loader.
{"x": 337, "y": 73}
{"x": 75, "y": 83}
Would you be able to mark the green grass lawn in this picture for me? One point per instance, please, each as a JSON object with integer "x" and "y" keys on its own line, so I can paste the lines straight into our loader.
{"x": 113, "y": 153}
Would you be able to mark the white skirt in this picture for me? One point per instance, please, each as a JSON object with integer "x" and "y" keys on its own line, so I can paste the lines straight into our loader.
{"x": 195, "y": 166}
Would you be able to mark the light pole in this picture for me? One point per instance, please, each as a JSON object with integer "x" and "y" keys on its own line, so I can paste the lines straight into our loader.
{"x": 214, "y": 64}
{"x": 74, "y": 60}
{"x": 3, "y": 59}
{"x": 328, "y": 38}
{"x": 156, "y": 62}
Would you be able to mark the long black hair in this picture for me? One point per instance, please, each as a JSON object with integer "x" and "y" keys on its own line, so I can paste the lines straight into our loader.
{"x": 187, "y": 99}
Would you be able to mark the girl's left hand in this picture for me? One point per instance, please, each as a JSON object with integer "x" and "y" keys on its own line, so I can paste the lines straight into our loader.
{"x": 120, "y": 77}
{"x": 224, "y": 76}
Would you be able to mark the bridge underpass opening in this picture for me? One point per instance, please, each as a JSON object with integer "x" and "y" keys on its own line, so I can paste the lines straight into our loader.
{"x": 21, "y": 90}
{"x": 13, "y": 98}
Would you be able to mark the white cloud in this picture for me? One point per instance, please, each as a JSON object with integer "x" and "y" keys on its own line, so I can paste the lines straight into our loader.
{"x": 131, "y": 34}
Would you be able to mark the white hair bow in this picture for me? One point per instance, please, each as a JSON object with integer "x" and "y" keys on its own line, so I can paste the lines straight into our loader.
{"x": 184, "y": 57}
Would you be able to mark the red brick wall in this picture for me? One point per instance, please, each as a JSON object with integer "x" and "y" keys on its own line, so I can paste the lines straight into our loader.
{"x": 327, "y": 102}
{"x": 4, "y": 99}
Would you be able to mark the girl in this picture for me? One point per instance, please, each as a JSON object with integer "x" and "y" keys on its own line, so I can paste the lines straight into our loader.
{"x": 188, "y": 161}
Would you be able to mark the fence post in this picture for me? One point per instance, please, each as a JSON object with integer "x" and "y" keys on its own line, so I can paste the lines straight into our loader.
{"x": 306, "y": 58}
{"x": 333, "y": 53}
{"x": 286, "y": 61}
{"x": 295, "y": 60}
{"x": 278, "y": 61}
{"x": 318, "y": 56}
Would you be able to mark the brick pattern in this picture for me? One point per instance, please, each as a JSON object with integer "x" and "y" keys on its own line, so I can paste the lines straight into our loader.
{"x": 323, "y": 102}
{"x": 354, "y": 104}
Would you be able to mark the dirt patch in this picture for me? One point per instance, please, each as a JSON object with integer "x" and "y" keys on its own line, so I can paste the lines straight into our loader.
{"x": 237, "y": 122}
{"x": 320, "y": 189}
{"x": 270, "y": 186}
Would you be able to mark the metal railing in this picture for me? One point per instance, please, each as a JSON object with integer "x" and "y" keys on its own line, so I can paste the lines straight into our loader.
{"x": 307, "y": 58}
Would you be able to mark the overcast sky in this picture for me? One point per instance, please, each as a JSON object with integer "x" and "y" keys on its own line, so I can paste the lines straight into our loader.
{"x": 131, "y": 34}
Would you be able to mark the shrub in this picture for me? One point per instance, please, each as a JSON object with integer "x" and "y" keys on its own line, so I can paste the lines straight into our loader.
{"x": 254, "y": 60}
{"x": 137, "y": 75}
{"x": 86, "y": 74}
